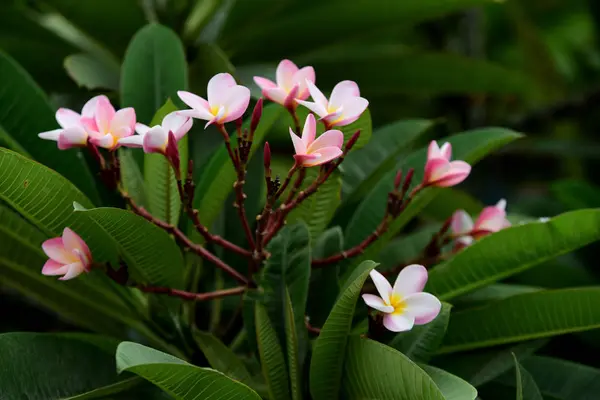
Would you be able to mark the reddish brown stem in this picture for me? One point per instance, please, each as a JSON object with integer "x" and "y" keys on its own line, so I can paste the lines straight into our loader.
{"x": 296, "y": 187}
{"x": 192, "y": 296}
{"x": 285, "y": 184}
{"x": 312, "y": 329}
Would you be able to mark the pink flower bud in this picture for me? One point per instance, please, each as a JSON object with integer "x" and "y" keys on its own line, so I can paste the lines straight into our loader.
{"x": 256, "y": 115}
{"x": 267, "y": 156}
{"x": 491, "y": 219}
{"x": 440, "y": 171}
{"x": 69, "y": 256}
{"x": 310, "y": 151}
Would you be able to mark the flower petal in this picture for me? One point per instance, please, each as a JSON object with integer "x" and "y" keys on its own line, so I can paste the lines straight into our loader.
{"x": 142, "y": 129}
{"x": 73, "y": 241}
{"x": 424, "y": 307}
{"x": 309, "y": 132}
{"x": 133, "y": 141}
{"x": 183, "y": 129}
{"x": 461, "y": 222}
{"x": 107, "y": 141}
{"x": 90, "y": 126}
{"x": 491, "y": 219}
{"x": 73, "y": 270}
{"x": 299, "y": 147}
{"x": 342, "y": 92}
{"x": 173, "y": 121}
{"x": 435, "y": 169}
{"x": 50, "y": 135}
{"x": 457, "y": 172}
{"x": 67, "y": 118}
{"x": 324, "y": 155}
{"x": 52, "y": 268}
{"x": 89, "y": 108}
{"x": 55, "y": 249}
{"x": 314, "y": 107}
{"x": 351, "y": 111}
{"x": 123, "y": 123}
{"x": 318, "y": 97}
{"x": 105, "y": 112}
{"x": 218, "y": 89}
{"x": 300, "y": 78}
{"x": 306, "y": 160}
{"x": 332, "y": 138}
{"x": 383, "y": 286}
{"x": 284, "y": 74}
{"x": 264, "y": 83}
{"x": 446, "y": 151}
{"x": 236, "y": 103}
{"x": 155, "y": 140}
{"x": 398, "y": 322}
{"x": 72, "y": 137}
{"x": 376, "y": 303}
{"x": 434, "y": 151}
{"x": 410, "y": 280}
{"x": 194, "y": 101}
{"x": 276, "y": 95}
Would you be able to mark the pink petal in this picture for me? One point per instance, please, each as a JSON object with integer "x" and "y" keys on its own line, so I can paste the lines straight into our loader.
{"x": 306, "y": 159}
{"x": 141, "y": 128}
{"x": 89, "y": 109}
{"x": 424, "y": 307}
{"x": 104, "y": 115}
{"x": 107, "y": 141}
{"x": 290, "y": 99}
{"x": 332, "y": 138}
{"x": 314, "y": 107}
{"x": 55, "y": 249}
{"x": 123, "y": 123}
{"x": 299, "y": 146}
{"x": 276, "y": 95}
{"x": 501, "y": 204}
{"x": 383, "y": 286}
{"x": 465, "y": 241}
{"x": 300, "y": 78}
{"x": 310, "y": 131}
{"x": 236, "y": 103}
{"x": 324, "y": 155}
{"x": 458, "y": 171}
{"x": 194, "y": 101}
{"x": 351, "y": 111}
{"x": 155, "y": 140}
{"x": 52, "y": 268}
{"x": 218, "y": 89}
{"x": 285, "y": 74}
{"x": 433, "y": 151}
{"x": 50, "y": 135}
{"x": 67, "y": 118}
{"x": 72, "y": 137}
{"x": 173, "y": 121}
{"x": 74, "y": 270}
{"x": 491, "y": 219}
{"x": 342, "y": 92}
{"x": 398, "y": 322}
{"x": 410, "y": 280}
{"x": 134, "y": 141}
{"x": 89, "y": 124}
{"x": 376, "y": 303}
{"x": 196, "y": 113}
{"x": 264, "y": 83}
{"x": 446, "y": 151}
{"x": 73, "y": 241}
{"x": 318, "y": 97}
{"x": 435, "y": 169}
{"x": 183, "y": 129}
{"x": 461, "y": 222}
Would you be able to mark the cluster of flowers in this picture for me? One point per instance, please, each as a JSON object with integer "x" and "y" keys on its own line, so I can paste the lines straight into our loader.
{"x": 100, "y": 125}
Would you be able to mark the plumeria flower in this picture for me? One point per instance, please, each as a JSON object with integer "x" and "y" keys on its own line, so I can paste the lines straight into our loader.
{"x": 311, "y": 151}
{"x": 343, "y": 107}
{"x": 72, "y": 132}
{"x": 69, "y": 256}
{"x": 492, "y": 219}
{"x": 291, "y": 84}
{"x": 440, "y": 171}
{"x": 106, "y": 126}
{"x": 227, "y": 101}
{"x": 404, "y": 305}
{"x": 155, "y": 139}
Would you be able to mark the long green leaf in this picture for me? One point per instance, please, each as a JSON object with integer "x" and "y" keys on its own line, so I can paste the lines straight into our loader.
{"x": 327, "y": 360}
{"x": 576, "y": 194}
{"x": 221, "y": 358}
{"x": 112, "y": 390}
{"x": 90, "y": 73}
{"x": 451, "y": 386}
{"x": 21, "y": 98}
{"x": 293, "y": 356}
{"x": 131, "y": 177}
{"x": 374, "y": 370}
{"x": 178, "y": 378}
{"x": 513, "y": 250}
{"x": 526, "y": 387}
{"x": 523, "y": 317}
{"x": 271, "y": 355}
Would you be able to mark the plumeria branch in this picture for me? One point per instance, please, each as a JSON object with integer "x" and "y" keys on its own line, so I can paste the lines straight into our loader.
{"x": 192, "y": 296}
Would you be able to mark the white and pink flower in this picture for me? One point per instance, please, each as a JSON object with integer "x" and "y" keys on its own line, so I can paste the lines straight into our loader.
{"x": 440, "y": 171}
{"x": 227, "y": 101}
{"x": 290, "y": 84}
{"x": 69, "y": 256}
{"x": 491, "y": 219}
{"x": 343, "y": 107}
{"x": 405, "y": 304}
{"x": 106, "y": 126}
{"x": 155, "y": 139}
{"x": 311, "y": 151}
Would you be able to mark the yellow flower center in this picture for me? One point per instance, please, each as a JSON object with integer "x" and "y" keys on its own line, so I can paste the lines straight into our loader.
{"x": 214, "y": 110}
{"x": 398, "y": 303}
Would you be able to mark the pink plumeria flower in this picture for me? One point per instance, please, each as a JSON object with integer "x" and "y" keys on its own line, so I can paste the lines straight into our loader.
{"x": 72, "y": 132}
{"x": 227, "y": 101}
{"x": 343, "y": 107}
{"x": 492, "y": 219}
{"x": 155, "y": 139}
{"x": 69, "y": 256}
{"x": 440, "y": 171}
{"x": 106, "y": 126}
{"x": 404, "y": 305}
{"x": 291, "y": 84}
{"x": 311, "y": 151}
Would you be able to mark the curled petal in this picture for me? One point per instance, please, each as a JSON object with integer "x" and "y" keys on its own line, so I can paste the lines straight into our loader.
{"x": 290, "y": 99}
{"x": 324, "y": 155}
{"x": 134, "y": 141}
{"x": 67, "y": 118}
{"x": 398, "y": 322}
{"x": 89, "y": 109}
{"x": 50, "y": 135}
{"x": 193, "y": 101}
{"x": 318, "y": 97}
{"x": 332, "y": 138}
{"x": 236, "y": 103}
{"x": 410, "y": 280}
{"x": 446, "y": 151}
{"x": 73, "y": 270}
{"x": 424, "y": 307}
{"x": 461, "y": 222}
{"x": 435, "y": 169}
{"x": 55, "y": 249}
{"x": 376, "y": 303}
{"x": 105, "y": 112}
{"x": 123, "y": 123}
{"x": 383, "y": 286}
{"x": 183, "y": 129}
{"x": 309, "y": 132}
{"x": 314, "y": 107}
{"x": 52, "y": 268}
{"x": 300, "y": 78}
{"x": 276, "y": 95}
{"x": 434, "y": 151}
{"x": 299, "y": 146}
{"x": 457, "y": 172}
{"x": 141, "y": 128}
{"x": 218, "y": 88}
{"x": 264, "y": 83}
{"x": 155, "y": 140}
{"x": 284, "y": 74}
{"x": 72, "y": 137}
{"x": 174, "y": 122}
{"x": 351, "y": 111}
{"x": 342, "y": 92}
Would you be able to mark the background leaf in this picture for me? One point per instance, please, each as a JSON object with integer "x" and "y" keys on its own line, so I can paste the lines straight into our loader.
{"x": 90, "y": 73}
{"x": 526, "y": 387}
{"x": 451, "y": 386}
{"x": 220, "y": 357}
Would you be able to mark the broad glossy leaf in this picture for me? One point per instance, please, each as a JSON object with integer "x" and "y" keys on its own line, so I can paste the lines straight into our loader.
{"x": 523, "y": 317}
{"x": 131, "y": 177}
{"x": 271, "y": 355}
{"x": 151, "y": 255}
{"x": 493, "y": 292}
{"x": 513, "y": 250}
{"x": 451, "y": 386}
{"x": 576, "y": 194}
{"x": 220, "y": 357}
{"x": 526, "y": 387}
{"x": 21, "y": 99}
{"x": 178, "y": 378}
{"x": 327, "y": 361}
{"x": 420, "y": 343}
{"x": 219, "y": 175}
{"x": 293, "y": 355}
{"x": 154, "y": 69}
{"x": 374, "y": 370}
{"x": 115, "y": 390}
{"x": 90, "y": 73}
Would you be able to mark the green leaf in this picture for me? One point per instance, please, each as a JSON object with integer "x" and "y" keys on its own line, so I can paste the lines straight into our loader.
{"x": 513, "y": 250}
{"x": 422, "y": 341}
{"x": 449, "y": 200}
{"x": 163, "y": 196}
{"x": 469, "y": 146}
{"x": 451, "y": 386}
{"x": 219, "y": 175}
{"x": 576, "y": 194}
{"x": 152, "y": 257}
{"x": 327, "y": 360}
{"x": 364, "y": 167}
{"x": 523, "y": 317}
{"x": 271, "y": 355}
{"x": 526, "y": 387}
{"x": 47, "y": 366}
{"x": 493, "y": 292}
{"x": 90, "y": 73}
{"x": 154, "y": 69}
{"x": 293, "y": 355}
{"x": 178, "y": 378}
{"x": 20, "y": 99}
{"x": 221, "y": 358}
{"x": 131, "y": 177}
{"x": 374, "y": 370}
{"x": 111, "y": 389}
{"x": 405, "y": 249}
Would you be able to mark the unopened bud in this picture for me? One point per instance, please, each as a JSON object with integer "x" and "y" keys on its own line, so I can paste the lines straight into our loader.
{"x": 398, "y": 179}
{"x": 352, "y": 140}
{"x": 256, "y": 115}
{"x": 407, "y": 181}
{"x": 267, "y": 156}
